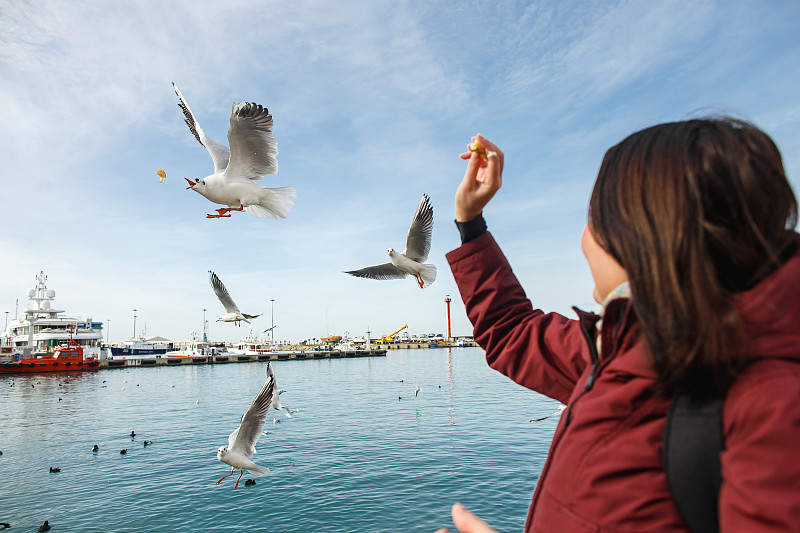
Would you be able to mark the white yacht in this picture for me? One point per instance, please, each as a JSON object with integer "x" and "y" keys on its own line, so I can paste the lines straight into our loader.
{"x": 42, "y": 329}
{"x": 251, "y": 345}
{"x": 139, "y": 346}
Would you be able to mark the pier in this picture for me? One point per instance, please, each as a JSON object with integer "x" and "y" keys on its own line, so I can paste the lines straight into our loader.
{"x": 226, "y": 358}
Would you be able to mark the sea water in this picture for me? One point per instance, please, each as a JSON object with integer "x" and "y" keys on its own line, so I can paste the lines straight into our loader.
{"x": 362, "y": 454}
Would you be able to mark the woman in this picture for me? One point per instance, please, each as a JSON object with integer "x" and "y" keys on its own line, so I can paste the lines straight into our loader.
{"x": 691, "y": 246}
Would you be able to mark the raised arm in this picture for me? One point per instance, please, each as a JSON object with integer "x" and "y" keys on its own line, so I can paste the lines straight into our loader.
{"x": 544, "y": 352}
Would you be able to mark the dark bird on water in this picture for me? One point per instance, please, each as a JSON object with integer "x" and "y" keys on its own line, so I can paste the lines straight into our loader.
{"x": 148, "y": 442}
{"x": 54, "y": 469}
{"x": 133, "y": 434}
{"x": 123, "y": 451}
{"x": 44, "y": 527}
{"x": 95, "y": 448}
{"x": 249, "y": 481}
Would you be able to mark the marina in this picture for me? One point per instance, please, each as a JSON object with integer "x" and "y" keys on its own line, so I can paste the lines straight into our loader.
{"x": 44, "y": 339}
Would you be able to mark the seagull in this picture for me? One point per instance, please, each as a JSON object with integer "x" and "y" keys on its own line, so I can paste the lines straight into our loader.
{"x": 557, "y": 412}
{"x": 416, "y": 391}
{"x": 410, "y": 261}
{"x": 233, "y": 314}
{"x": 252, "y": 155}
{"x": 242, "y": 442}
{"x": 276, "y": 398}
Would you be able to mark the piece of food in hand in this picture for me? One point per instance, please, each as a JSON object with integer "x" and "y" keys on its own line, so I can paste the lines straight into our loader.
{"x": 162, "y": 174}
{"x": 479, "y": 149}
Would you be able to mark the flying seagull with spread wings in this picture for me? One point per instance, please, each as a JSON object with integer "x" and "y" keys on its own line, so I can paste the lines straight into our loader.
{"x": 252, "y": 155}
{"x": 232, "y": 310}
{"x": 410, "y": 261}
{"x": 242, "y": 442}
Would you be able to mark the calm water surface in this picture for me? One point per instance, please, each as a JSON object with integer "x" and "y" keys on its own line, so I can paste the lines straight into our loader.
{"x": 363, "y": 454}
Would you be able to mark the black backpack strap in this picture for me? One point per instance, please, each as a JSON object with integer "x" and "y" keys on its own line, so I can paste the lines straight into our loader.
{"x": 693, "y": 441}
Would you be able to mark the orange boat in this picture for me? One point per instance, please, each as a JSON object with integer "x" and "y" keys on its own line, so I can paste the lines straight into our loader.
{"x": 67, "y": 358}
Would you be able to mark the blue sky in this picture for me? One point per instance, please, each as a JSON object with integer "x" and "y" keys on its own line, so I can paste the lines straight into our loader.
{"x": 372, "y": 103}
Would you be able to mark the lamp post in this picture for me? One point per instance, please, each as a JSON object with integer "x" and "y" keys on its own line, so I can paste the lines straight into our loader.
{"x": 5, "y": 328}
{"x": 108, "y": 330}
{"x": 447, "y": 302}
{"x": 205, "y": 336}
{"x": 272, "y": 321}
{"x": 134, "y": 324}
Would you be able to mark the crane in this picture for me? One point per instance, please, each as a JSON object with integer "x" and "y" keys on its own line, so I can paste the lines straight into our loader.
{"x": 390, "y": 337}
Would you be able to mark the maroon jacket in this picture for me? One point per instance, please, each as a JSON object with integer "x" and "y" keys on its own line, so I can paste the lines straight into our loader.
{"x": 604, "y": 471}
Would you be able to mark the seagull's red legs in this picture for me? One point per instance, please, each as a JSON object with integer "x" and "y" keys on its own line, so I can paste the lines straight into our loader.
{"x": 224, "y": 210}
{"x": 223, "y": 477}
{"x": 240, "y": 477}
{"x": 222, "y": 213}
{"x": 419, "y": 280}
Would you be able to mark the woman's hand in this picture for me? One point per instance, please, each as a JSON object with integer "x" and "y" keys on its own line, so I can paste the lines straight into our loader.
{"x": 467, "y": 522}
{"x": 483, "y": 178}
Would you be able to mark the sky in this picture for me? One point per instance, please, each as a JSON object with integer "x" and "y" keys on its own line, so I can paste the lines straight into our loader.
{"x": 372, "y": 103}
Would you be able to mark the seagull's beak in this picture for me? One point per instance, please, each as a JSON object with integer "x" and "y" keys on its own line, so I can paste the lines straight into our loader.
{"x": 190, "y": 182}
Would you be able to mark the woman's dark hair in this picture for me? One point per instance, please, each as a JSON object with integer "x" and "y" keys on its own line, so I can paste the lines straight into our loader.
{"x": 695, "y": 212}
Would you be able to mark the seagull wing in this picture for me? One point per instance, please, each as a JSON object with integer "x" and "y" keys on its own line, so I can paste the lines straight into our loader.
{"x": 243, "y": 439}
{"x": 253, "y": 146}
{"x": 383, "y": 271}
{"x": 219, "y": 153}
{"x": 222, "y": 293}
{"x": 557, "y": 412}
{"x": 418, "y": 243}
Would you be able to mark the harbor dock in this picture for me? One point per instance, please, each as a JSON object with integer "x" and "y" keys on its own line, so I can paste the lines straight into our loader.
{"x": 294, "y": 353}
{"x": 227, "y": 358}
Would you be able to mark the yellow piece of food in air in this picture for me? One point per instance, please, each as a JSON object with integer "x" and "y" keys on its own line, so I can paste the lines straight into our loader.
{"x": 162, "y": 174}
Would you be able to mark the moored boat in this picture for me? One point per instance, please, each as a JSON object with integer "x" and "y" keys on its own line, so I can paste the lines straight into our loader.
{"x": 67, "y": 358}
{"x": 42, "y": 330}
{"x": 195, "y": 348}
{"x": 138, "y": 347}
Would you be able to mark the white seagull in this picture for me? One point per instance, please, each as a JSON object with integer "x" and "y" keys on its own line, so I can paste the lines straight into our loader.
{"x": 242, "y": 442}
{"x": 557, "y": 412}
{"x": 276, "y": 398}
{"x": 418, "y": 244}
{"x": 250, "y": 157}
{"x": 233, "y": 314}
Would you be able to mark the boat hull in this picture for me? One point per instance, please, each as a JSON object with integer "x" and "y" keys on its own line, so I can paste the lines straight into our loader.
{"x": 115, "y": 350}
{"x": 28, "y": 366}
